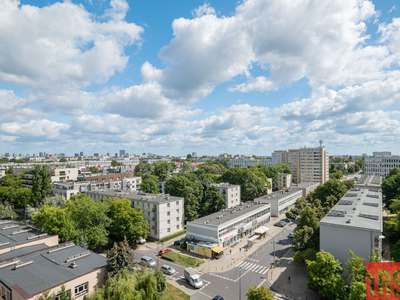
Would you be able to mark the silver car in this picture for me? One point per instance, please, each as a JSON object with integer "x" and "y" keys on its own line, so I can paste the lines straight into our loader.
{"x": 168, "y": 270}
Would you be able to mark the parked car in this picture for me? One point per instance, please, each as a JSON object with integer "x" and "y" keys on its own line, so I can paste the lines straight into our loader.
{"x": 291, "y": 234}
{"x": 287, "y": 221}
{"x": 177, "y": 243}
{"x": 217, "y": 298}
{"x": 168, "y": 270}
{"x": 294, "y": 216}
{"x": 148, "y": 261}
{"x": 280, "y": 224}
{"x": 141, "y": 241}
{"x": 163, "y": 251}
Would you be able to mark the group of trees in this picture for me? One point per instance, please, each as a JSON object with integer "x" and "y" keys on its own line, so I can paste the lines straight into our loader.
{"x": 12, "y": 192}
{"x": 83, "y": 219}
{"x": 338, "y": 171}
{"x": 327, "y": 277}
{"x": 124, "y": 282}
{"x": 322, "y": 199}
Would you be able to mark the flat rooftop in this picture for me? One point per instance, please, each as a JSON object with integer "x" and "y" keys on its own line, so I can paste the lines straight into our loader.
{"x": 304, "y": 185}
{"x": 278, "y": 195}
{"x": 14, "y": 233}
{"x": 358, "y": 208}
{"x": 137, "y": 196}
{"x": 227, "y": 215}
{"x": 369, "y": 180}
{"x": 224, "y": 185}
{"x": 40, "y": 269}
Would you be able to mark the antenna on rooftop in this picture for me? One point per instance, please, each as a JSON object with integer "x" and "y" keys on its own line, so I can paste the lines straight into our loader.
{"x": 320, "y": 143}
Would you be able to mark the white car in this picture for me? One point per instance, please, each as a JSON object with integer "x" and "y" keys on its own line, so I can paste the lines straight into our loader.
{"x": 291, "y": 234}
{"x": 141, "y": 240}
{"x": 168, "y": 270}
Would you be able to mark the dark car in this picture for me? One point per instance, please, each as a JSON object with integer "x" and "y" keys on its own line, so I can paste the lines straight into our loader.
{"x": 287, "y": 221}
{"x": 280, "y": 224}
{"x": 294, "y": 216}
{"x": 177, "y": 243}
{"x": 217, "y": 298}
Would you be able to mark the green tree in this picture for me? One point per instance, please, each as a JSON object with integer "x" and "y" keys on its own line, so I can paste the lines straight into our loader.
{"x": 162, "y": 170}
{"x": 259, "y": 293}
{"x": 57, "y": 201}
{"x": 332, "y": 187}
{"x": 161, "y": 281}
{"x": 391, "y": 187}
{"x": 355, "y": 269}
{"x": 393, "y": 172}
{"x": 120, "y": 258}
{"x": 252, "y": 184}
{"x": 41, "y": 184}
{"x": 187, "y": 167}
{"x": 301, "y": 203}
{"x": 324, "y": 276}
{"x": 190, "y": 190}
{"x": 63, "y": 159}
{"x": 338, "y": 175}
{"x": 149, "y": 186}
{"x": 144, "y": 168}
{"x": 349, "y": 183}
{"x": 94, "y": 170}
{"x": 216, "y": 169}
{"x": 308, "y": 254}
{"x": 303, "y": 238}
{"x": 357, "y": 291}
{"x": 22, "y": 197}
{"x": 127, "y": 221}
{"x": 189, "y": 156}
{"x": 63, "y": 294}
{"x": 6, "y": 211}
{"x": 115, "y": 163}
{"x": 212, "y": 201}
{"x": 282, "y": 168}
{"x": 82, "y": 243}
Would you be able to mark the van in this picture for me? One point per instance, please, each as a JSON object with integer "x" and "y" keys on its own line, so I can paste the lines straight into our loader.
{"x": 148, "y": 261}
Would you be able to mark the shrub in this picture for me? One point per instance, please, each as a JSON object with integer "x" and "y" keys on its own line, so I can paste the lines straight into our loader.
{"x": 301, "y": 256}
{"x": 289, "y": 214}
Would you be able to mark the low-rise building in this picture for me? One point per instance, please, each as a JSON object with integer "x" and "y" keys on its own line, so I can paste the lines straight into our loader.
{"x": 284, "y": 180}
{"x": 231, "y": 193}
{"x": 2, "y": 172}
{"x": 305, "y": 187}
{"x": 242, "y": 162}
{"x": 26, "y": 273}
{"x": 381, "y": 163}
{"x": 280, "y": 201}
{"x": 229, "y": 226}
{"x": 164, "y": 213}
{"x": 368, "y": 182}
{"x": 357, "y": 214}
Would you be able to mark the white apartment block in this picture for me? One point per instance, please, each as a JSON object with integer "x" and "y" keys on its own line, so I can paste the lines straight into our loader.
{"x": 164, "y": 213}
{"x": 284, "y": 180}
{"x": 381, "y": 163}
{"x": 357, "y": 214}
{"x": 280, "y": 201}
{"x": 241, "y": 162}
{"x": 294, "y": 164}
{"x": 231, "y": 193}
{"x": 279, "y": 157}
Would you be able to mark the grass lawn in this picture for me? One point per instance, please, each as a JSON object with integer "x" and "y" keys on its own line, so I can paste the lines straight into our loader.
{"x": 173, "y": 293}
{"x": 183, "y": 260}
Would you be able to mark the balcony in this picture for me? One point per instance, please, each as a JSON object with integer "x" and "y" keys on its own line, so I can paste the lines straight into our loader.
{"x": 154, "y": 218}
{"x": 154, "y": 209}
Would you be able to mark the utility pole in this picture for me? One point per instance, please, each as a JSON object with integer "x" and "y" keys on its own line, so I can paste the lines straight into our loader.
{"x": 240, "y": 283}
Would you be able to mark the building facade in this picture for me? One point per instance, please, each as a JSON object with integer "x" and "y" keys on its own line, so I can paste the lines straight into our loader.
{"x": 284, "y": 180}
{"x": 164, "y": 213}
{"x": 229, "y": 226}
{"x": 381, "y": 163}
{"x": 294, "y": 164}
{"x": 280, "y": 201}
{"x": 305, "y": 187}
{"x": 231, "y": 193}
{"x": 357, "y": 214}
{"x": 241, "y": 162}
{"x": 279, "y": 157}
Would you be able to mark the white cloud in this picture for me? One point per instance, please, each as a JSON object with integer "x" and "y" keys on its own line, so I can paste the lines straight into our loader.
{"x": 35, "y": 128}
{"x": 62, "y": 44}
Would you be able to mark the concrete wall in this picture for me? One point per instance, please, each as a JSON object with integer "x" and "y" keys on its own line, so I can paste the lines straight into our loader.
{"x": 337, "y": 240}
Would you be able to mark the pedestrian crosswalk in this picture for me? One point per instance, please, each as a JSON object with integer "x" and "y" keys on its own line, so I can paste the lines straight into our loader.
{"x": 253, "y": 267}
{"x": 281, "y": 297}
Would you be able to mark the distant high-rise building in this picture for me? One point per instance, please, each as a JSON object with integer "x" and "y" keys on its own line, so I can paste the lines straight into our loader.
{"x": 61, "y": 155}
{"x": 97, "y": 154}
{"x": 109, "y": 154}
{"x": 81, "y": 153}
{"x": 279, "y": 157}
{"x": 41, "y": 154}
{"x": 22, "y": 155}
{"x": 194, "y": 154}
{"x": 121, "y": 153}
{"x": 76, "y": 154}
{"x": 7, "y": 154}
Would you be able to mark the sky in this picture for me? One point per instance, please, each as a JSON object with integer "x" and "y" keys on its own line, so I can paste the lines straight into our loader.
{"x": 176, "y": 77}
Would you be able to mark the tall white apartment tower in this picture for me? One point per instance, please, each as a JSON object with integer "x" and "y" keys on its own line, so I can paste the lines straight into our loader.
{"x": 279, "y": 157}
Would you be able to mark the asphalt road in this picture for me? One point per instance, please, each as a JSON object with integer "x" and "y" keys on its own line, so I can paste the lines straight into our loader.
{"x": 252, "y": 270}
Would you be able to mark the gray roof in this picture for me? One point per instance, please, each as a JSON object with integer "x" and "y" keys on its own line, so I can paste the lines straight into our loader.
{"x": 224, "y": 185}
{"x": 227, "y": 214}
{"x": 369, "y": 180}
{"x": 22, "y": 251}
{"x": 359, "y": 208}
{"x": 138, "y": 196}
{"x": 9, "y": 233}
{"x": 49, "y": 269}
{"x": 304, "y": 185}
{"x": 278, "y": 195}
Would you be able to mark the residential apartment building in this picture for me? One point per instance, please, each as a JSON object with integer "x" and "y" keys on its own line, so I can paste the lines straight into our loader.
{"x": 231, "y": 193}
{"x": 242, "y": 162}
{"x": 357, "y": 214}
{"x": 2, "y": 172}
{"x": 280, "y": 201}
{"x": 164, "y": 213}
{"x": 284, "y": 180}
{"x": 229, "y": 226}
{"x": 26, "y": 273}
{"x": 279, "y": 157}
{"x": 381, "y": 163}
{"x": 305, "y": 187}
{"x": 309, "y": 164}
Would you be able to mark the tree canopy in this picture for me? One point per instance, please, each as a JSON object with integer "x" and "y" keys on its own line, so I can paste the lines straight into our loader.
{"x": 149, "y": 186}
{"x": 120, "y": 258}
{"x": 41, "y": 184}
{"x": 259, "y": 293}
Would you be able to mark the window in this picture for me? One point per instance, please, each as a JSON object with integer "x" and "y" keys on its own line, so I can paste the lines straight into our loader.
{"x": 177, "y": 211}
{"x": 177, "y": 202}
{"x": 148, "y": 213}
{"x": 81, "y": 289}
{"x": 66, "y": 294}
{"x": 168, "y": 205}
{"x": 177, "y": 226}
{"x": 168, "y": 229}
{"x": 168, "y": 222}
{"x": 168, "y": 213}
{"x": 177, "y": 218}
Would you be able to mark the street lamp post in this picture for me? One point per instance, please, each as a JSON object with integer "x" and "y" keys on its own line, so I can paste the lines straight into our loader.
{"x": 240, "y": 283}
{"x": 274, "y": 251}
{"x": 381, "y": 237}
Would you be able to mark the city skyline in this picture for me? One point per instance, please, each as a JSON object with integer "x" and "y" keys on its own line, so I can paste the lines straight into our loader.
{"x": 245, "y": 77}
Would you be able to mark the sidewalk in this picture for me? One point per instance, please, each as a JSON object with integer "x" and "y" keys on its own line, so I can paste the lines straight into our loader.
{"x": 229, "y": 260}
{"x": 297, "y": 288}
